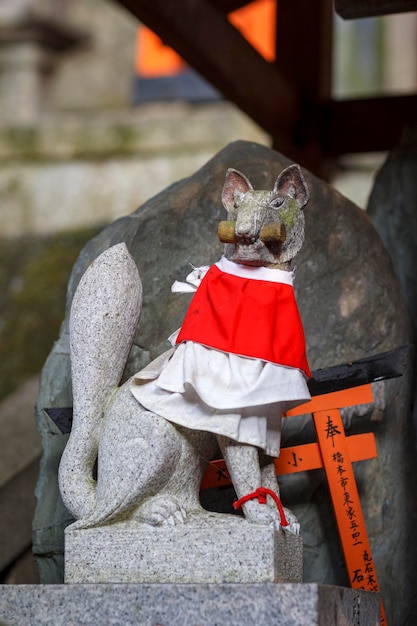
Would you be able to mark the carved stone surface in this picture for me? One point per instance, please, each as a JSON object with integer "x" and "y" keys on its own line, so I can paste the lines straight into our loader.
{"x": 202, "y": 551}
{"x": 104, "y": 317}
{"x": 149, "y": 470}
{"x": 179, "y": 605}
{"x": 351, "y": 305}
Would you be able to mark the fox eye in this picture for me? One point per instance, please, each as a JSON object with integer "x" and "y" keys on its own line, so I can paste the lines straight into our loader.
{"x": 276, "y": 202}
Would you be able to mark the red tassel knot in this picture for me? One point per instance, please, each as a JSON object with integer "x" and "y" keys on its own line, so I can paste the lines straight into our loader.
{"x": 261, "y": 494}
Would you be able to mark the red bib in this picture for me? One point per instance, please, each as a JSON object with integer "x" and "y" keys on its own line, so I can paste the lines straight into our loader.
{"x": 249, "y": 317}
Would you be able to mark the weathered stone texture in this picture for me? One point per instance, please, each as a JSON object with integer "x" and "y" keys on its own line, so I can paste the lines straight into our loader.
{"x": 19, "y": 466}
{"x": 392, "y": 208}
{"x": 226, "y": 550}
{"x": 188, "y": 605}
{"x": 74, "y": 170}
{"x": 351, "y": 306}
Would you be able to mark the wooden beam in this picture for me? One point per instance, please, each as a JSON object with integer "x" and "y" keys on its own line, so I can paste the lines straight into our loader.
{"x": 352, "y": 9}
{"x": 228, "y": 6}
{"x": 303, "y": 55}
{"x": 204, "y": 37}
{"x": 304, "y": 45}
{"x": 366, "y": 125}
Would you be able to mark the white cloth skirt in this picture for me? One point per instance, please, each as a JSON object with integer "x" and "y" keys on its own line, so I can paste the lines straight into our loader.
{"x": 226, "y": 394}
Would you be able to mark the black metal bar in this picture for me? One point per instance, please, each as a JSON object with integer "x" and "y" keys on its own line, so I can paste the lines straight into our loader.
{"x": 381, "y": 366}
{"x": 62, "y": 417}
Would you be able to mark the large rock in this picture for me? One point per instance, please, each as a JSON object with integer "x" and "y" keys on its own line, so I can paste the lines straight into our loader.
{"x": 351, "y": 305}
{"x": 392, "y": 208}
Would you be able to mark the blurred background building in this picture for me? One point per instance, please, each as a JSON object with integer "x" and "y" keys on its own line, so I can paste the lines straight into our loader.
{"x": 96, "y": 115}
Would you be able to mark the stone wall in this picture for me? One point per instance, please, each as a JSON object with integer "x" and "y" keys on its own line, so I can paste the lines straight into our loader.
{"x": 63, "y": 55}
{"x": 72, "y": 171}
{"x": 74, "y": 152}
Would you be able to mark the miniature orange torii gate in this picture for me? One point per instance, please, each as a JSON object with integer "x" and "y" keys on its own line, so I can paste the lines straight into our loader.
{"x": 335, "y": 453}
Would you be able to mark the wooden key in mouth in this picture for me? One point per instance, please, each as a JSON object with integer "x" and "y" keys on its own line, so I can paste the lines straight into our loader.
{"x": 271, "y": 232}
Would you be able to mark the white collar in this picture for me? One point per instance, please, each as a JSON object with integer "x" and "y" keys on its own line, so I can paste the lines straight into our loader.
{"x": 256, "y": 272}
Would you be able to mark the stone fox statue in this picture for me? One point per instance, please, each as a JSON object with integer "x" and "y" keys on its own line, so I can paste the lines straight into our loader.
{"x": 237, "y": 364}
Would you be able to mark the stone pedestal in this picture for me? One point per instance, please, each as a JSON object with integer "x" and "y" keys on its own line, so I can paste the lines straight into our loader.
{"x": 179, "y": 605}
{"x": 224, "y": 550}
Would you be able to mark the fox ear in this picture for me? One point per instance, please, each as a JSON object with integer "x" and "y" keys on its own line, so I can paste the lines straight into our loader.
{"x": 234, "y": 182}
{"x": 292, "y": 183}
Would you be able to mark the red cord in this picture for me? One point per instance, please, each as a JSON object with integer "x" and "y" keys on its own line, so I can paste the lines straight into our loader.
{"x": 261, "y": 494}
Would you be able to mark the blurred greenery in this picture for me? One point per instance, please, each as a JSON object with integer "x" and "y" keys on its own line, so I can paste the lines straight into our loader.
{"x": 34, "y": 272}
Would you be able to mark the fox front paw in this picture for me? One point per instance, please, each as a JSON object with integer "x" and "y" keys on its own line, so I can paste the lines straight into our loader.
{"x": 256, "y": 513}
{"x": 293, "y": 525}
{"x": 162, "y": 511}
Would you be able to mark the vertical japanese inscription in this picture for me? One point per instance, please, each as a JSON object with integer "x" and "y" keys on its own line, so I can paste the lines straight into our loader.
{"x": 345, "y": 497}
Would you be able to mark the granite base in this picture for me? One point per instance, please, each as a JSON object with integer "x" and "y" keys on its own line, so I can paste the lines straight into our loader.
{"x": 187, "y": 605}
{"x": 229, "y": 550}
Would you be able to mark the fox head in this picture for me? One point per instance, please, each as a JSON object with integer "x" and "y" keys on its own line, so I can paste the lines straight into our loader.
{"x": 264, "y": 227}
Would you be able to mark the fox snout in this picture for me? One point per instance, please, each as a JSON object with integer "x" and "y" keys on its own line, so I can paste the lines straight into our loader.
{"x": 270, "y": 233}
{"x": 264, "y": 227}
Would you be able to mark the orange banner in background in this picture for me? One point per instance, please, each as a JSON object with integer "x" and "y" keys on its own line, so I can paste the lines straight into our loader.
{"x": 153, "y": 59}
